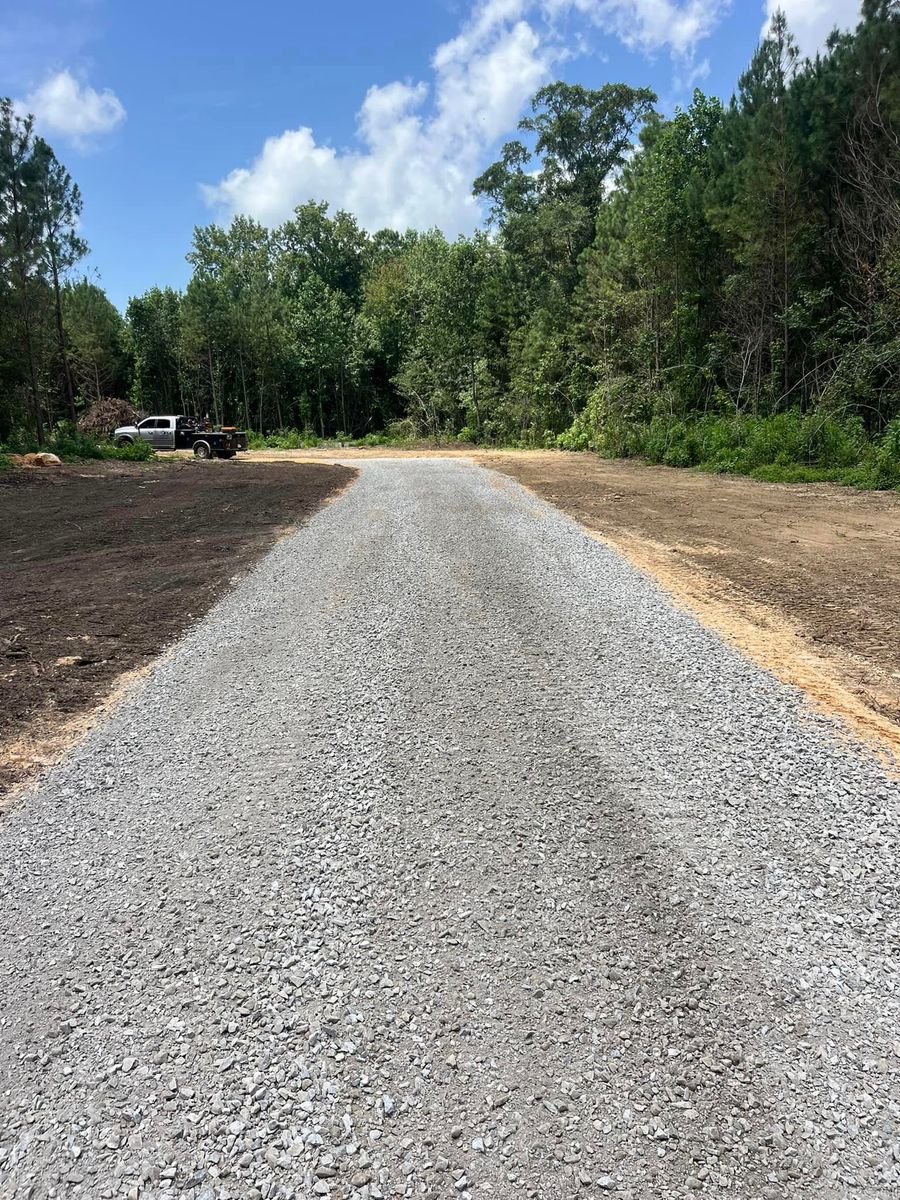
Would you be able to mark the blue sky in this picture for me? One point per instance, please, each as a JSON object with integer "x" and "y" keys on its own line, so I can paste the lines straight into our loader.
{"x": 178, "y": 113}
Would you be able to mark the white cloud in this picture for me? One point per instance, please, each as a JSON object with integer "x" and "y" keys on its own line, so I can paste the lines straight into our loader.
{"x": 420, "y": 145}
{"x": 63, "y": 106}
{"x": 650, "y": 25}
{"x": 811, "y": 21}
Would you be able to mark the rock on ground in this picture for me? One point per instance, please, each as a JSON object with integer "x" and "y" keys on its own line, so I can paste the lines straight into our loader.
{"x": 445, "y": 858}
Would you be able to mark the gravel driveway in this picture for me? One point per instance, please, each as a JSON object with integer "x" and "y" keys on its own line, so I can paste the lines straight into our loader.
{"x": 445, "y": 858}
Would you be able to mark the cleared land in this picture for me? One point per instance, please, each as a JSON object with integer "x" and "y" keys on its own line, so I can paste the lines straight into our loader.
{"x": 102, "y": 565}
{"x": 804, "y": 579}
{"x": 506, "y": 878}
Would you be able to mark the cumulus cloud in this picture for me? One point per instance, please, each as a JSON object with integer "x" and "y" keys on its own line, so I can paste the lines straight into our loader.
{"x": 420, "y": 144}
{"x": 65, "y": 107}
{"x": 811, "y": 21}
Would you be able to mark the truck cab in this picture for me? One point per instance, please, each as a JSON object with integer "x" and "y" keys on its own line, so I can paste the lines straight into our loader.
{"x": 158, "y": 431}
{"x": 183, "y": 433}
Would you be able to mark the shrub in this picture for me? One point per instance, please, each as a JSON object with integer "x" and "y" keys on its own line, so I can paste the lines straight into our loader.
{"x": 404, "y": 430}
{"x": 887, "y": 457}
{"x": 290, "y": 439}
{"x": 71, "y": 445}
{"x": 139, "y": 451}
{"x": 785, "y": 447}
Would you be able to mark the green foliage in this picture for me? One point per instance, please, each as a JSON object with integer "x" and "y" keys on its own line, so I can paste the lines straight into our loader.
{"x": 732, "y": 298}
{"x": 284, "y": 439}
{"x": 138, "y": 451}
{"x": 717, "y": 287}
{"x": 154, "y": 335}
{"x": 788, "y": 447}
{"x": 71, "y": 445}
{"x": 40, "y": 209}
{"x": 95, "y": 334}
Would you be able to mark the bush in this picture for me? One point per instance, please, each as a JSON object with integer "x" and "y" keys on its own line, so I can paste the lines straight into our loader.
{"x": 404, "y": 430}
{"x": 787, "y": 447}
{"x": 138, "y": 451}
{"x": 287, "y": 439}
{"x": 885, "y": 464}
{"x": 396, "y": 433}
{"x": 282, "y": 439}
{"x": 71, "y": 445}
{"x": 372, "y": 439}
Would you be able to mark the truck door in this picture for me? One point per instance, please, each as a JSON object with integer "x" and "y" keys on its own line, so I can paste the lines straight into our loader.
{"x": 165, "y": 434}
{"x": 148, "y": 430}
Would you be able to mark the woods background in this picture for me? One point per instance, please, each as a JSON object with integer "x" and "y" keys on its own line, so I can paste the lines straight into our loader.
{"x": 720, "y": 288}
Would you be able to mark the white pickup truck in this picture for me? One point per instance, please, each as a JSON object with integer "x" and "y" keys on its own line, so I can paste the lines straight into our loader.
{"x": 183, "y": 433}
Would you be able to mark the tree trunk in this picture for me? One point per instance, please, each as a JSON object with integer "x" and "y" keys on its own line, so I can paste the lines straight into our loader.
{"x": 212, "y": 383}
{"x": 22, "y": 272}
{"x": 68, "y": 386}
{"x": 244, "y": 388}
{"x": 474, "y": 385}
{"x": 344, "y": 428}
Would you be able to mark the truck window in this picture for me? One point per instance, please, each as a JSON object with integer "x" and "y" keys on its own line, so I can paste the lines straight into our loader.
{"x": 150, "y": 423}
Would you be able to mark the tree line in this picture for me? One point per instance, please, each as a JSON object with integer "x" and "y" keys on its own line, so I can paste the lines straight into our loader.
{"x": 62, "y": 343}
{"x": 640, "y": 278}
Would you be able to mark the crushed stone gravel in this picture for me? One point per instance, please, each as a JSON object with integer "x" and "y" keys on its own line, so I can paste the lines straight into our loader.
{"x": 446, "y": 858}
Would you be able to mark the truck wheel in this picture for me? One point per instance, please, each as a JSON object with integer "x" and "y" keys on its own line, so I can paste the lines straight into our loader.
{"x": 124, "y": 441}
{"x": 202, "y": 450}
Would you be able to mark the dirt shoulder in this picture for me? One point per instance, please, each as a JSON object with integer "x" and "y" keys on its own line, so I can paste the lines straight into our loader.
{"x": 804, "y": 579}
{"x": 103, "y": 564}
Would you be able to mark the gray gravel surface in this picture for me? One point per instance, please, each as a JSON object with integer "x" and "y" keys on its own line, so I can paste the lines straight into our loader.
{"x": 445, "y": 858}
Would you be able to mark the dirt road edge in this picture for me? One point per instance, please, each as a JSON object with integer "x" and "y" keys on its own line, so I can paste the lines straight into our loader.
{"x": 48, "y": 736}
{"x": 759, "y": 632}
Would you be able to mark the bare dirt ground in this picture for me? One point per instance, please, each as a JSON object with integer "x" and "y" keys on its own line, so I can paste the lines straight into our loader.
{"x": 103, "y": 564}
{"x": 805, "y": 580}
